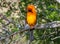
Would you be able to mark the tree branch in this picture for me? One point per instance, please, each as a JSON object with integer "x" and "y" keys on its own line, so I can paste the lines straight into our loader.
{"x": 53, "y": 24}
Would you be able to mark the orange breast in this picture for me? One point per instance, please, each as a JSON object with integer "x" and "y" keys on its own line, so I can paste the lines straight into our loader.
{"x": 31, "y": 19}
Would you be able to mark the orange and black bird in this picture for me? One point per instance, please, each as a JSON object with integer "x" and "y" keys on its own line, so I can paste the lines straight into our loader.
{"x": 31, "y": 19}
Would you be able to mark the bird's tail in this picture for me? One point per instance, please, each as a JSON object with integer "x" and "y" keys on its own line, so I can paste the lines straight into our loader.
{"x": 31, "y": 35}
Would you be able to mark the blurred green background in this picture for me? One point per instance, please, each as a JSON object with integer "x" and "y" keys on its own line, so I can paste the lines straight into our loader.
{"x": 47, "y": 11}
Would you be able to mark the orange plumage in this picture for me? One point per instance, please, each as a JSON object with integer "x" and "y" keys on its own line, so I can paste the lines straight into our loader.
{"x": 31, "y": 16}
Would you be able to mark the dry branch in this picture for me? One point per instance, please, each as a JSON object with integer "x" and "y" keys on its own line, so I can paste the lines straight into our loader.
{"x": 53, "y": 24}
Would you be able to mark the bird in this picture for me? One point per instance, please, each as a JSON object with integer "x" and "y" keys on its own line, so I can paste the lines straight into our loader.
{"x": 31, "y": 18}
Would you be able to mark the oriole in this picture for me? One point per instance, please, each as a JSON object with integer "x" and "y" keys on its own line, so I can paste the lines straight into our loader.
{"x": 31, "y": 19}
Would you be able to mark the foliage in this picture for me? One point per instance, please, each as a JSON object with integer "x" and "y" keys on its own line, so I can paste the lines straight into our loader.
{"x": 49, "y": 9}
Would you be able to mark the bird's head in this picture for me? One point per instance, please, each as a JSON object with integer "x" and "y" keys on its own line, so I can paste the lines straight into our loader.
{"x": 31, "y": 8}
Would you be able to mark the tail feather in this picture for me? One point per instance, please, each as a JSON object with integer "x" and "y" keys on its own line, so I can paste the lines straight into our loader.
{"x": 31, "y": 35}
